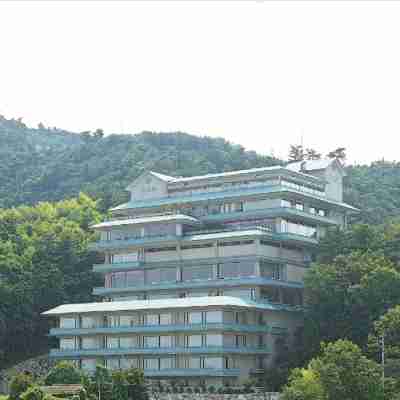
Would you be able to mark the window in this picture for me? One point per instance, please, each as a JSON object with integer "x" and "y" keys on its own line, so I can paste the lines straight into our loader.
{"x": 201, "y": 272}
{"x": 240, "y": 340}
{"x": 88, "y": 364}
{"x": 213, "y": 362}
{"x": 312, "y": 210}
{"x": 150, "y": 341}
{"x": 165, "y": 341}
{"x": 165, "y": 319}
{"x": 128, "y": 320}
{"x": 67, "y": 322}
{"x": 286, "y": 203}
{"x": 127, "y": 363}
{"x": 167, "y": 363}
{"x": 124, "y": 258}
{"x": 194, "y": 341}
{"x": 236, "y": 269}
{"x": 152, "y": 319}
{"x": 128, "y": 342}
{"x": 134, "y": 278}
{"x": 299, "y": 206}
{"x": 197, "y": 246}
{"x": 112, "y": 342}
{"x": 322, "y": 213}
{"x": 195, "y": 318}
{"x": 151, "y": 363}
{"x": 236, "y": 243}
{"x": 214, "y": 317}
{"x": 214, "y": 339}
{"x": 112, "y": 321}
{"x": 112, "y": 363}
{"x": 193, "y": 362}
{"x": 159, "y": 249}
{"x": 67, "y": 343}
{"x": 89, "y": 343}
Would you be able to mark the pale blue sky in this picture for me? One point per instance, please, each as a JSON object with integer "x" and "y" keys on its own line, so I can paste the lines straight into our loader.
{"x": 262, "y": 74}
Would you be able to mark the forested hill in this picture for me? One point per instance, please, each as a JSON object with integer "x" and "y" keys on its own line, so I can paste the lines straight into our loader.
{"x": 50, "y": 164}
{"x": 53, "y": 164}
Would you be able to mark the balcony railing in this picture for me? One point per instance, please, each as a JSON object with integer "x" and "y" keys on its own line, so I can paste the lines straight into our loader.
{"x": 154, "y": 351}
{"x": 215, "y": 283}
{"x": 209, "y": 327}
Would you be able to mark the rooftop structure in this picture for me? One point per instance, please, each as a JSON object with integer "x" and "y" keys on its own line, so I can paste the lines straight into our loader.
{"x": 203, "y": 274}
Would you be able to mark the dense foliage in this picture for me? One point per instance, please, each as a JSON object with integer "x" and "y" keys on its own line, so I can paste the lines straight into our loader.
{"x": 341, "y": 371}
{"x": 44, "y": 262}
{"x": 52, "y": 165}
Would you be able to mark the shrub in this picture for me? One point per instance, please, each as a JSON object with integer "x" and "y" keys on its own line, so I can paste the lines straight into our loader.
{"x": 211, "y": 389}
{"x": 197, "y": 389}
{"x": 221, "y": 390}
{"x": 32, "y": 393}
{"x": 189, "y": 390}
{"x": 175, "y": 389}
{"x": 20, "y": 384}
{"x": 181, "y": 389}
{"x": 63, "y": 373}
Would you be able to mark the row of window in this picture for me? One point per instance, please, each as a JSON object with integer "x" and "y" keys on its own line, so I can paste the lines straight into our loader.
{"x": 162, "y": 341}
{"x": 162, "y": 363}
{"x": 229, "y": 270}
{"x": 136, "y": 319}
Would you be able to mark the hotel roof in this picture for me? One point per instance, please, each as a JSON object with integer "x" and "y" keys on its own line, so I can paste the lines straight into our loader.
{"x": 177, "y": 218}
{"x": 142, "y": 305}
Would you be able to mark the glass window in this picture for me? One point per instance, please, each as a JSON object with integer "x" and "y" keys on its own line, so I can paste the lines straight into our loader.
{"x": 152, "y": 319}
{"x": 127, "y": 363}
{"x": 67, "y": 343}
{"x": 240, "y": 340}
{"x": 201, "y": 272}
{"x": 88, "y": 364}
{"x": 237, "y": 269}
{"x": 312, "y": 210}
{"x": 214, "y": 316}
{"x": 213, "y": 362}
{"x": 322, "y": 213}
{"x": 89, "y": 343}
{"x": 299, "y": 206}
{"x": 151, "y": 341}
{"x": 124, "y": 258}
{"x": 112, "y": 363}
{"x": 195, "y": 318}
{"x": 165, "y": 319}
{"x": 168, "y": 275}
{"x": 118, "y": 279}
{"x": 112, "y": 321}
{"x": 194, "y": 341}
{"x": 165, "y": 341}
{"x": 129, "y": 320}
{"x": 88, "y": 322}
{"x": 167, "y": 363}
{"x": 150, "y": 363}
{"x": 112, "y": 342}
{"x": 67, "y": 322}
{"x": 285, "y": 203}
{"x": 134, "y": 278}
{"x": 194, "y": 362}
{"x": 128, "y": 342}
{"x": 214, "y": 340}
{"x": 153, "y": 276}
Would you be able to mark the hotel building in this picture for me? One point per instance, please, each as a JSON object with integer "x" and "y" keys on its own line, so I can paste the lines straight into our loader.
{"x": 203, "y": 275}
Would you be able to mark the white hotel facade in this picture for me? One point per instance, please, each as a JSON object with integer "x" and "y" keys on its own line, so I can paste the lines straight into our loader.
{"x": 203, "y": 275}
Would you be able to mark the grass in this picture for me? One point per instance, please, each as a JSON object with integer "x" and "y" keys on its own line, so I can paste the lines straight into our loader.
{"x": 3, "y": 397}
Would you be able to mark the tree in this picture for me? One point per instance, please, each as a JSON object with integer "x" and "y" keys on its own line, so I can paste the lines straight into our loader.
{"x": 387, "y": 327}
{"x": 296, "y": 153}
{"x": 312, "y": 154}
{"x": 304, "y": 384}
{"x": 341, "y": 371}
{"x": 19, "y": 384}
{"x": 63, "y": 373}
{"x": 339, "y": 153}
{"x": 345, "y": 296}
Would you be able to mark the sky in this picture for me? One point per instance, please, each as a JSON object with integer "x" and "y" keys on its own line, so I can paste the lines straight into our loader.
{"x": 262, "y": 74}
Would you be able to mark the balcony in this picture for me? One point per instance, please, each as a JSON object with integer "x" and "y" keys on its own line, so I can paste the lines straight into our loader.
{"x": 208, "y": 284}
{"x": 137, "y": 241}
{"x": 189, "y": 372}
{"x": 155, "y": 351}
{"x": 126, "y": 266}
{"x": 290, "y": 212}
{"x": 233, "y": 194}
{"x": 172, "y": 328}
